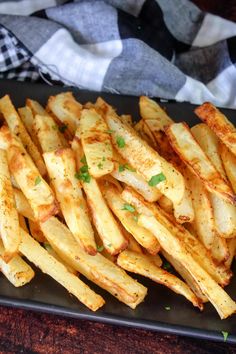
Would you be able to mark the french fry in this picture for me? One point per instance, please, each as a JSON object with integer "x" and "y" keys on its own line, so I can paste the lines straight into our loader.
{"x": 218, "y": 272}
{"x": 27, "y": 118}
{"x": 96, "y": 268}
{"x": 36, "y": 254}
{"x": 229, "y": 161}
{"x": 166, "y": 204}
{"x": 133, "y": 245}
{"x": 140, "y": 264}
{"x": 61, "y": 166}
{"x": 224, "y": 305}
{"x": 106, "y": 225}
{"x": 17, "y": 271}
{"x": 36, "y": 231}
{"x": 51, "y": 251}
{"x": 4, "y": 137}
{"x": 191, "y": 153}
{"x": 22, "y": 222}
{"x": 192, "y": 283}
{"x": 224, "y": 213}
{"x": 143, "y": 158}
{"x": 219, "y": 249}
{"x": 150, "y": 110}
{"x": 126, "y": 174}
{"x": 232, "y": 248}
{"x": 36, "y": 107}
{"x": 126, "y": 118}
{"x": 32, "y": 184}
{"x": 22, "y": 205}
{"x": 96, "y": 142}
{"x": 48, "y": 134}
{"x": 127, "y": 218}
{"x": 9, "y": 221}
{"x": 66, "y": 109}
{"x": 218, "y": 122}
{"x": 145, "y": 133}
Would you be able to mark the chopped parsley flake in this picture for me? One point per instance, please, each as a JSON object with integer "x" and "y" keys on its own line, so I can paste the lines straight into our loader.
{"x": 225, "y": 335}
{"x": 37, "y": 180}
{"x": 83, "y": 160}
{"x": 100, "y": 165}
{"x": 110, "y": 131}
{"x": 103, "y": 159}
{"x": 100, "y": 248}
{"x": 85, "y": 177}
{"x": 129, "y": 207}
{"x": 84, "y": 169}
{"x": 126, "y": 167}
{"x": 120, "y": 142}
{"x": 156, "y": 179}
{"x": 63, "y": 128}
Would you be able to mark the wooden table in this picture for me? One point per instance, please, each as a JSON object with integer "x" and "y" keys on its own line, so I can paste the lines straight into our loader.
{"x": 29, "y": 332}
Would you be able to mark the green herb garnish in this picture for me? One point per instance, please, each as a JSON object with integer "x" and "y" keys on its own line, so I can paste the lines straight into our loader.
{"x": 110, "y": 131}
{"x": 120, "y": 141}
{"x": 63, "y": 128}
{"x": 85, "y": 177}
{"x": 156, "y": 179}
{"x": 100, "y": 248}
{"x": 83, "y": 160}
{"x": 166, "y": 266}
{"x": 129, "y": 207}
{"x": 37, "y": 180}
{"x": 100, "y": 165}
{"x": 225, "y": 335}
{"x": 103, "y": 159}
{"x": 84, "y": 169}
{"x": 126, "y": 167}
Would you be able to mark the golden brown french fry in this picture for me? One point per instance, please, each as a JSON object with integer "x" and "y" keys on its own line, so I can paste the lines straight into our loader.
{"x": 96, "y": 142}
{"x": 27, "y": 118}
{"x": 22, "y": 205}
{"x": 191, "y": 153}
{"x": 51, "y": 251}
{"x": 106, "y": 225}
{"x": 194, "y": 246}
{"x": 166, "y": 204}
{"x": 126, "y": 118}
{"x": 224, "y": 305}
{"x": 96, "y": 268}
{"x": 48, "y": 134}
{"x": 156, "y": 170}
{"x": 232, "y": 248}
{"x": 229, "y": 161}
{"x": 218, "y": 122}
{"x": 192, "y": 283}
{"x": 124, "y": 173}
{"x": 36, "y": 254}
{"x": 150, "y": 110}
{"x": 66, "y": 109}
{"x": 219, "y": 249}
{"x": 146, "y": 134}
{"x": 17, "y": 127}
{"x": 36, "y": 231}
{"x": 128, "y": 216}
{"x": 140, "y": 264}
{"x": 32, "y": 184}
{"x": 36, "y": 107}
{"x": 133, "y": 245}
{"x": 17, "y": 271}
{"x": 61, "y": 166}
{"x": 9, "y": 221}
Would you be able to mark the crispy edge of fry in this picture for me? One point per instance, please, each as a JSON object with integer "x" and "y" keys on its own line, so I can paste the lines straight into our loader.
{"x": 192, "y": 154}
{"x": 96, "y": 268}
{"x": 218, "y": 122}
{"x": 22, "y": 205}
{"x": 140, "y": 264}
{"x": 17, "y": 271}
{"x": 36, "y": 231}
{"x": 9, "y": 221}
{"x": 27, "y": 118}
{"x": 229, "y": 162}
{"x": 61, "y": 163}
{"x": 36, "y": 254}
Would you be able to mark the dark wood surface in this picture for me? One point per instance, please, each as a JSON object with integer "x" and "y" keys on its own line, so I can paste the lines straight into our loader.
{"x": 28, "y": 332}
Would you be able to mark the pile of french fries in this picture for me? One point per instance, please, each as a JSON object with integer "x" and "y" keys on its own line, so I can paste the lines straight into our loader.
{"x": 85, "y": 191}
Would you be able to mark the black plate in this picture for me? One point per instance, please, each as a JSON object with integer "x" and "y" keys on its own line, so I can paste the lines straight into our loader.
{"x": 44, "y": 294}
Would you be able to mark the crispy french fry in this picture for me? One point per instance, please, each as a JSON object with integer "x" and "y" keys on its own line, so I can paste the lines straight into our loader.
{"x": 48, "y": 134}
{"x": 218, "y": 122}
{"x": 36, "y": 231}
{"x": 191, "y": 153}
{"x": 229, "y": 161}
{"x": 61, "y": 166}
{"x": 36, "y": 254}
{"x": 224, "y": 213}
{"x": 150, "y": 110}
{"x": 224, "y": 305}
{"x": 51, "y": 251}
{"x": 145, "y": 133}
{"x": 192, "y": 283}
{"x": 106, "y": 225}
{"x": 36, "y": 107}
{"x": 22, "y": 205}
{"x": 143, "y": 158}
{"x": 17, "y": 271}
{"x": 17, "y": 127}
{"x": 66, "y": 109}
{"x": 140, "y": 264}
{"x": 96, "y": 142}
{"x": 166, "y": 204}
{"x": 195, "y": 248}
{"x": 133, "y": 245}
{"x": 126, "y": 174}
{"x": 27, "y": 118}
{"x": 32, "y": 184}
{"x": 129, "y": 220}
{"x": 9, "y": 221}
{"x": 96, "y": 268}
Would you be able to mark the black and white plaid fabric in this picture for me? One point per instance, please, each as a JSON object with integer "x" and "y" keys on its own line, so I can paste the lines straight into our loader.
{"x": 163, "y": 48}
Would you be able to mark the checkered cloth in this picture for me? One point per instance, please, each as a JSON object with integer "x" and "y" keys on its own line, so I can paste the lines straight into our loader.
{"x": 163, "y": 48}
